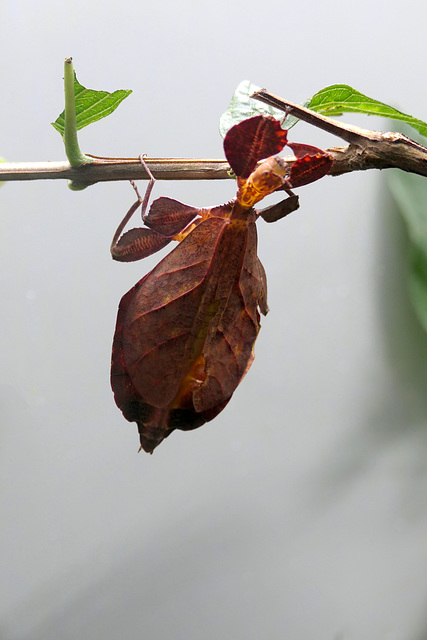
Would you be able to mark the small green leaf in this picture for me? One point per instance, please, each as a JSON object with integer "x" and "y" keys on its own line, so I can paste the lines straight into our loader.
{"x": 410, "y": 193}
{"x": 242, "y": 106}
{"x": 340, "y": 98}
{"x": 91, "y": 105}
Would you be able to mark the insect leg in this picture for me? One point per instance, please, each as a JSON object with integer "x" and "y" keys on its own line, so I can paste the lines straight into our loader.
{"x": 141, "y": 242}
{"x": 141, "y": 202}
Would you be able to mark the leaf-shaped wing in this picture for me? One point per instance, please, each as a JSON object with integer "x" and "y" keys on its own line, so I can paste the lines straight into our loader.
{"x": 169, "y": 217}
{"x": 139, "y": 243}
{"x": 229, "y": 344}
{"x": 312, "y": 164}
{"x": 185, "y": 334}
{"x": 252, "y": 140}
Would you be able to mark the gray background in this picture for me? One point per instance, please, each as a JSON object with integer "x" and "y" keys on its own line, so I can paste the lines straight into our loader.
{"x": 300, "y": 512}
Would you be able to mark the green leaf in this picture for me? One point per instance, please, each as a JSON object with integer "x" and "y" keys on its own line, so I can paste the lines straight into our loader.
{"x": 410, "y": 193}
{"x": 242, "y": 106}
{"x": 91, "y": 105}
{"x": 340, "y": 98}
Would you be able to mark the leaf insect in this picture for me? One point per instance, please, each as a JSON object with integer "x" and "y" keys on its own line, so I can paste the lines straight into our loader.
{"x": 186, "y": 331}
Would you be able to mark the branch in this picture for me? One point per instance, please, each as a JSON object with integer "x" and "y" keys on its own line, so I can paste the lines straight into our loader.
{"x": 106, "y": 170}
{"x": 366, "y": 150}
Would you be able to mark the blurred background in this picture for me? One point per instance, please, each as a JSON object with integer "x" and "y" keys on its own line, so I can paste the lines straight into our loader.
{"x": 301, "y": 511}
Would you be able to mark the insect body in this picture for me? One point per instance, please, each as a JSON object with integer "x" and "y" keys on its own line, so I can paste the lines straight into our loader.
{"x": 185, "y": 332}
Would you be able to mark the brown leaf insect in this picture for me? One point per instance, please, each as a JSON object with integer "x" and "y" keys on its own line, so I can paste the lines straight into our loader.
{"x": 186, "y": 331}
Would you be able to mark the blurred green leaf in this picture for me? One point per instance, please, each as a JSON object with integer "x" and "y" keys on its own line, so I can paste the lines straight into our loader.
{"x": 2, "y": 160}
{"x": 242, "y": 106}
{"x": 340, "y": 98}
{"x": 410, "y": 193}
{"x": 91, "y": 105}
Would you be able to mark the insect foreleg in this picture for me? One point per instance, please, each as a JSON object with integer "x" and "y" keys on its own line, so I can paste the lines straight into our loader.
{"x": 141, "y": 202}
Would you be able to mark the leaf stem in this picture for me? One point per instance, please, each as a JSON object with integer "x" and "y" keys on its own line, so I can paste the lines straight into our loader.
{"x": 75, "y": 157}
